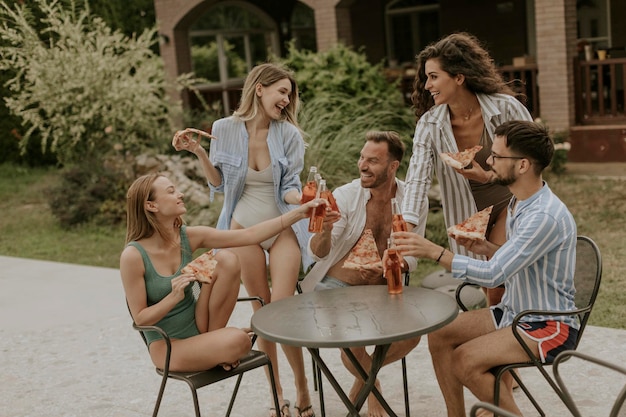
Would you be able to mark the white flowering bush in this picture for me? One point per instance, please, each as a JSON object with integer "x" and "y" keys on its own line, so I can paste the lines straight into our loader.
{"x": 85, "y": 89}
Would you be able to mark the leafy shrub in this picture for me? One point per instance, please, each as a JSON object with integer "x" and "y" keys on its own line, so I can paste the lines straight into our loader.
{"x": 339, "y": 70}
{"x": 93, "y": 191}
{"x": 83, "y": 87}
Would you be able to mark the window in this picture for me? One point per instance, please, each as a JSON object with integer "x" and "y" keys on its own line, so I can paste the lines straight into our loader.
{"x": 228, "y": 40}
{"x": 593, "y": 22}
{"x": 411, "y": 25}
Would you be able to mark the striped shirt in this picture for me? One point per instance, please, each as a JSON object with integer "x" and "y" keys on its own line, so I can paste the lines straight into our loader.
{"x": 229, "y": 154}
{"x": 433, "y": 135}
{"x": 536, "y": 264}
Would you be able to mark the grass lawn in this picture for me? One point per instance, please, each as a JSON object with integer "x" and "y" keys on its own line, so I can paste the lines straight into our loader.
{"x": 30, "y": 231}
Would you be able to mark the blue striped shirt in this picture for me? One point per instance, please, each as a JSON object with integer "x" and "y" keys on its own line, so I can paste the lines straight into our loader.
{"x": 433, "y": 135}
{"x": 537, "y": 262}
{"x": 229, "y": 155}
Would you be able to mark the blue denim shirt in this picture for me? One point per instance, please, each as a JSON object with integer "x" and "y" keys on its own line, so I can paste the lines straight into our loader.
{"x": 229, "y": 154}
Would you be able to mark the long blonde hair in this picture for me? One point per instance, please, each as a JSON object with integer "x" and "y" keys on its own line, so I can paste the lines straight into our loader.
{"x": 141, "y": 223}
{"x": 268, "y": 74}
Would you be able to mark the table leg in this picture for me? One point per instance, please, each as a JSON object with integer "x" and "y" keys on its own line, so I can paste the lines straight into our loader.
{"x": 352, "y": 410}
{"x": 378, "y": 358}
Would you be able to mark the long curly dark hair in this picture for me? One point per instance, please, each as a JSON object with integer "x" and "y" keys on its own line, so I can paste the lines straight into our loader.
{"x": 458, "y": 53}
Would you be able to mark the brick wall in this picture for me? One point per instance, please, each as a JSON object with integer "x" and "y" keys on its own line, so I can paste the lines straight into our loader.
{"x": 556, "y": 40}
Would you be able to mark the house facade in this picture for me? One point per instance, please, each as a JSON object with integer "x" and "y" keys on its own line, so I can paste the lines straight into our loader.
{"x": 570, "y": 54}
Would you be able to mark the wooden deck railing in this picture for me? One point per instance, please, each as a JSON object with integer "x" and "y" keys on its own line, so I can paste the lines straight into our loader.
{"x": 523, "y": 79}
{"x": 600, "y": 92}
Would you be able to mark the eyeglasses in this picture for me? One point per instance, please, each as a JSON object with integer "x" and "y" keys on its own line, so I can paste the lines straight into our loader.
{"x": 495, "y": 156}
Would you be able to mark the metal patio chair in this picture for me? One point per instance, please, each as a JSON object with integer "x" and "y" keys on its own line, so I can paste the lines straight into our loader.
{"x": 587, "y": 277}
{"x": 195, "y": 380}
{"x": 619, "y": 407}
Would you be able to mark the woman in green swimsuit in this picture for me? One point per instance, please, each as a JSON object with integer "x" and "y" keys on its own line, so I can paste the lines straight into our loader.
{"x": 158, "y": 247}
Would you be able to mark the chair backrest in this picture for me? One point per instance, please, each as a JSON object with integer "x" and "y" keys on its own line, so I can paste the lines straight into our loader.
{"x": 587, "y": 278}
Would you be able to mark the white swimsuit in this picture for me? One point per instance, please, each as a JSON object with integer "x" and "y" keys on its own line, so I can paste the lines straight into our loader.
{"x": 257, "y": 203}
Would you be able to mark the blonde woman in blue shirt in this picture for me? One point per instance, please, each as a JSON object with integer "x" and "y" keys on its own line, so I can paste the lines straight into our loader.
{"x": 256, "y": 159}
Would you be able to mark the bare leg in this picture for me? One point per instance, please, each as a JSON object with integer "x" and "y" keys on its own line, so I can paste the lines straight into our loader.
{"x": 284, "y": 266}
{"x": 442, "y": 344}
{"x": 254, "y": 277}
{"x": 218, "y": 298}
{"x": 476, "y": 357}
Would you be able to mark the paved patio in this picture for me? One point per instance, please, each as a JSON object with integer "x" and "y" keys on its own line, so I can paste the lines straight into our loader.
{"x": 68, "y": 350}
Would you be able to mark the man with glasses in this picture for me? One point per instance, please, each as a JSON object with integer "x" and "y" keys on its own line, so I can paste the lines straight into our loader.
{"x": 535, "y": 264}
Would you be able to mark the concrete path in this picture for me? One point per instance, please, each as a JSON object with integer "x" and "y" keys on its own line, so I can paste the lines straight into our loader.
{"x": 68, "y": 349}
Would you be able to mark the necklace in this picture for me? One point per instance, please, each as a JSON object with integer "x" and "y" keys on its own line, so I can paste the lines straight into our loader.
{"x": 469, "y": 113}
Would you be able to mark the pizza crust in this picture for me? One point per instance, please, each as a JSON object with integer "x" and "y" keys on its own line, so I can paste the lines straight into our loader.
{"x": 474, "y": 227}
{"x": 459, "y": 160}
{"x": 181, "y": 140}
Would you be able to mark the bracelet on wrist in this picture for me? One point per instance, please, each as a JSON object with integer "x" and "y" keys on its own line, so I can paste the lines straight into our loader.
{"x": 441, "y": 254}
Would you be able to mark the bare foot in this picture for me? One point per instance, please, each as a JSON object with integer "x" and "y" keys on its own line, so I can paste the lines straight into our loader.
{"x": 229, "y": 366}
{"x": 303, "y": 404}
{"x": 484, "y": 413}
{"x": 354, "y": 391}
{"x": 374, "y": 408}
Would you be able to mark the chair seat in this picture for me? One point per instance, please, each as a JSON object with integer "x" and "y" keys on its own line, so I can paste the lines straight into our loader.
{"x": 252, "y": 360}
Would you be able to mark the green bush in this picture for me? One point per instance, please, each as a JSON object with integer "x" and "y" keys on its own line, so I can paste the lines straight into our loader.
{"x": 83, "y": 87}
{"x": 92, "y": 192}
{"x": 340, "y": 70}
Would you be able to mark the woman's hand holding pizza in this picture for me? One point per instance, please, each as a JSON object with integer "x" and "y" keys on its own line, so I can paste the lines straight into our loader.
{"x": 179, "y": 284}
{"x": 475, "y": 172}
{"x": 189, "y": 140}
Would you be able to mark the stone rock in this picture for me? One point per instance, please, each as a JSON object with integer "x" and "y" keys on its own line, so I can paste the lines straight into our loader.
{"x": 186, "y": 174}
{"x": 439, "y": 278}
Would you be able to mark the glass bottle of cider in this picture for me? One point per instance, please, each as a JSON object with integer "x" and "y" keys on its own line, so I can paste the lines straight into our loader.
{"x": 316, "y": 221}
{"x": 397, "y": 221}
{"x": 310, "y": 188}
{"x": 393, "y": 269}
{"x": 328, "y": 195}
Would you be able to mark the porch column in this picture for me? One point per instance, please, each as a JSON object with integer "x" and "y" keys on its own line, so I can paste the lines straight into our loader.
{"x": 327, "y": 16}
{"x": 556, "y": 47}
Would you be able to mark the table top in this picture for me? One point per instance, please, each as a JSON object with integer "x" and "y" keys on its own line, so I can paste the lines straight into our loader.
{"x": 361, "y": 315}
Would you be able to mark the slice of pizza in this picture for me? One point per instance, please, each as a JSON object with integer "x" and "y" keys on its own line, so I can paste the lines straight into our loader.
{"x": 202, "y": 267}
{"x": 183, "y": 138}
{"x": 460, "y": 160}
{"x": 474, "y": 227}
{"x": 364, "y": 252}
